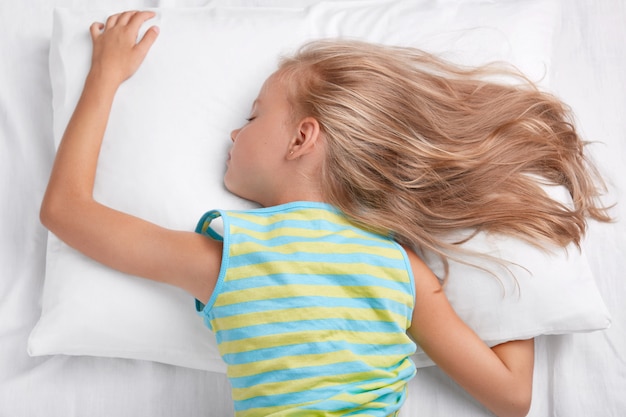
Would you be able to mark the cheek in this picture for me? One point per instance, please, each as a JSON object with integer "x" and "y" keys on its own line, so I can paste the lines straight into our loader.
{"x": 242, "y": 152}
{"x": 244, "y": 157}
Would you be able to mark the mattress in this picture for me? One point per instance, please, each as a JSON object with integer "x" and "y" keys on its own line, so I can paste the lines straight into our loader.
{"x": 576, "y": 374}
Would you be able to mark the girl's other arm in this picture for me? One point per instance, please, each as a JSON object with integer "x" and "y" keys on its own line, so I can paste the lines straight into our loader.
{"x": 116, "y": 239}
{"x": 500, "y": 378}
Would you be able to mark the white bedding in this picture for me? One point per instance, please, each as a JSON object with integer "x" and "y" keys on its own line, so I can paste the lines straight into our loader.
{"x": 576, "y": 375}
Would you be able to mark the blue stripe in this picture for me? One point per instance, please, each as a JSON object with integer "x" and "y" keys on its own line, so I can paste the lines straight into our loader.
{"x": 310, "y": 301}
{"x": 392, "y": 400}
{"x": 337, "y": 324}
{"x": 323, "y": 347}
{"x": 332, "y": 405}
{"x": 280, "y": 280}
{"x": 285, "y": 399}
{"x": 302, "y": 372}
{"x": 333, "y": 236}
{"x": 253, "y": 258}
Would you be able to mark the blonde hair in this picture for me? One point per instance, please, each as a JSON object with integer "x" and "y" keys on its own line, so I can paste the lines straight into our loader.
{"x": 421, "y": 148}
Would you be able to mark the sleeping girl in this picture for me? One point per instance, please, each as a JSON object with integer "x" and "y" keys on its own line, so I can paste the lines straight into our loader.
{"x": 359, "y": 155}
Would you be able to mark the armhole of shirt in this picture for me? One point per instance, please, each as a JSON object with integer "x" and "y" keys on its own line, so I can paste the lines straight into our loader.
{"x": 206, "y": 226}
{"x": 409, "y": 270}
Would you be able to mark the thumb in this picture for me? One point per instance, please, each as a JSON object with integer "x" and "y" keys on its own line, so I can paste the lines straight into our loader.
{"x": 95, "y": 29}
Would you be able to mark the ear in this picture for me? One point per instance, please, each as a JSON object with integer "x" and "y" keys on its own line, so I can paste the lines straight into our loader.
{"x": 305, "y": 140}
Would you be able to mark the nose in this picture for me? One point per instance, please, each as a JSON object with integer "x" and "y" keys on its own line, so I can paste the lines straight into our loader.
{"x": 233, "y": 134}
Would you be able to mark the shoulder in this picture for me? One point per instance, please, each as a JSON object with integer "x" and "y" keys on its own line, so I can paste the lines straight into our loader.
{"x": 422, "y": 273}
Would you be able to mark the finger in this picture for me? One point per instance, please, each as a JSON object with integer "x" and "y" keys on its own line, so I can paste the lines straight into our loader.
{"x": 96, "y": 30}
{"x": 125, "y": 17}
{"x": 148, "y": 39}
{"x": 139, "y": 18}
{"x": 111, "y": 21}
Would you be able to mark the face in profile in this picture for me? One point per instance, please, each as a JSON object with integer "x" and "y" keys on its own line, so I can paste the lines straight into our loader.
{"x": 260, "y": 146}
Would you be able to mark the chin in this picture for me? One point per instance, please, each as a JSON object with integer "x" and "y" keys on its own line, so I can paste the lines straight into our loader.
{"x": 233, "y": 190}
{"x": 229, "y": 187}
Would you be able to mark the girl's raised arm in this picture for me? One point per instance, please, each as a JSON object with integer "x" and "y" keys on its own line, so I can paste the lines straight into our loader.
{"x": 116, "y": 239}
{"x": 500, "y": 378}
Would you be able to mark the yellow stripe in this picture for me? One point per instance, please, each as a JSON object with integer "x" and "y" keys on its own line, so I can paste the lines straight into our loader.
{"x": 318, "y": 268}
{"x": 314, "y": 359}
{"x": 245, "y": 248}
{"x": 302, "y": 290}
{"x": 306, "y": 214}
{"x": 397, "y": 386}
{"x": 286, "y": 411}
{"x": 285, "y": 339}
{"x": 303, "y": 233}
{"x": 309, "y": 313}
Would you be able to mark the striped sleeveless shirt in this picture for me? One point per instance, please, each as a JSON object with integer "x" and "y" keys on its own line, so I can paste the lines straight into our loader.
{"x": 310, "y": 313}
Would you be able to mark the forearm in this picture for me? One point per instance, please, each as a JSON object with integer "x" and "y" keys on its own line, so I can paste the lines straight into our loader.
{"x": 507, "y": 387}
{"x": 73, "y": 174}
{"x": 498, "y": 378}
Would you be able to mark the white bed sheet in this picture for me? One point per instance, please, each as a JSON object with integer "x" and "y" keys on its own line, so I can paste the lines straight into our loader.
{"x": 576, "y": 375}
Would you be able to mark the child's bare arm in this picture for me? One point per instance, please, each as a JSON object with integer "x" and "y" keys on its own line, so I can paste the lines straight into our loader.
{"x": 500, "y": 378}
{"x": 121, "y": 241}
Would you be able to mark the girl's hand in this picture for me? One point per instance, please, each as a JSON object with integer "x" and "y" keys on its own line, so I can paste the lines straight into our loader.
{"x": 116, "y": 52}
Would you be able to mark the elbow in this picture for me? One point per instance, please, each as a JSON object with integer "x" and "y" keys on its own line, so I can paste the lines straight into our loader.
{"x": 56, "y": 211}
{"x": 49, "y": 214}
{"x": 523, "y": 399}
{"x": 46, "y": 213}
{"x": 517, "y": 404}
{"x": 524, "y": 406}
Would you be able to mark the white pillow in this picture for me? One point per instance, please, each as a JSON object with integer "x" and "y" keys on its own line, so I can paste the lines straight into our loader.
{"x": 165, "y": 146}
{"x": 534, "y": 292}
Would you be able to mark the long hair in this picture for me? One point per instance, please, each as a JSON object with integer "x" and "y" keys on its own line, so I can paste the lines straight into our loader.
{"x": 419, "y": 147}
